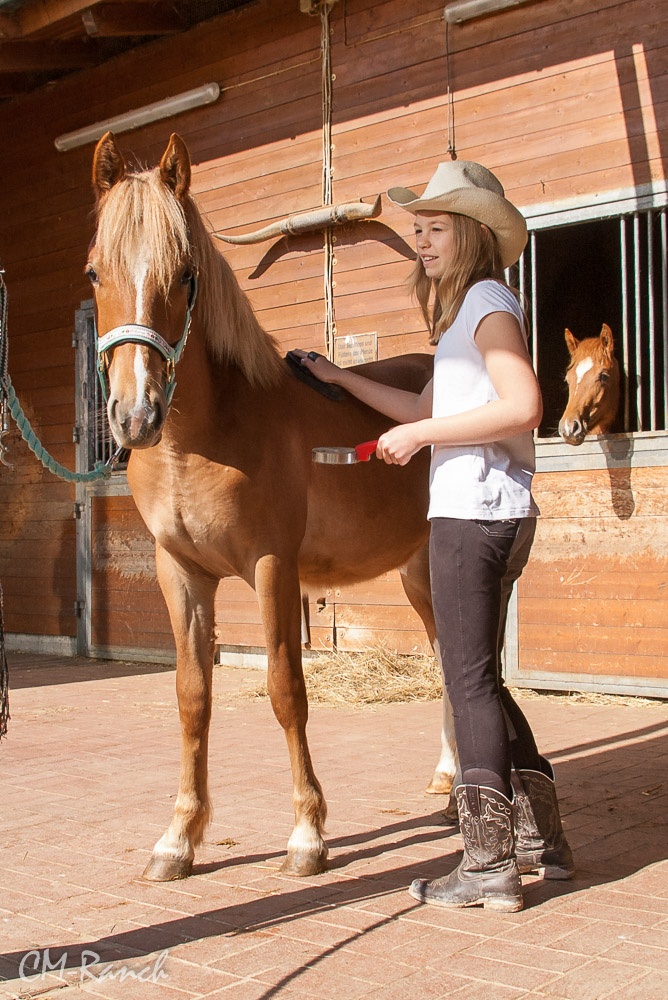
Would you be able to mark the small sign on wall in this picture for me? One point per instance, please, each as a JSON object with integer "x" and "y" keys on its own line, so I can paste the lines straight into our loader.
{"x": 355, "y": 349}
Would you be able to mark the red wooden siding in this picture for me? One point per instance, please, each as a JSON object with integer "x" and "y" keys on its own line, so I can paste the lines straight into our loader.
{"x": 592, "y": 600}
{"x": 562, "y": 99}
{"x": 128, "y": 611}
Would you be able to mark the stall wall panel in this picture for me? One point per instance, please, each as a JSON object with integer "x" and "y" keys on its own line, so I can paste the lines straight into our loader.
{"x": 127, "y": 608}
{"x": 593, "y": 599}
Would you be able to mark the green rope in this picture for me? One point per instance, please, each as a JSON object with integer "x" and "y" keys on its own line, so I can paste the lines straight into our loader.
{"x": 101, "y": 471}
{"x": 8, "y": 400}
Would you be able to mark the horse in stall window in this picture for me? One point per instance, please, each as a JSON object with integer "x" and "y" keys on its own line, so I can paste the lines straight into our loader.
{"x": 221, "y": 471}
{"x": 593, "y": 387}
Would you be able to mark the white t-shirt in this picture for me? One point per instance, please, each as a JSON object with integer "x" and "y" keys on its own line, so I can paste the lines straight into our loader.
{"x": 488, "y": 482}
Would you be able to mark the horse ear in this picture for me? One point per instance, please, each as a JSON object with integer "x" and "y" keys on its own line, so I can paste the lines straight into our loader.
{"x": 571, "y": 342}
{"x": 175, "y": 167}
{"x": 108, "y": 164}
{"x": 607, "y": 340}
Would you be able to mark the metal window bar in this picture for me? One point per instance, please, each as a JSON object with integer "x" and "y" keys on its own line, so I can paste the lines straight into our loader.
{"x": 534, "y": 304}
{"x": 526, "y": 282}
{"x": 104, "y": 445}
{"x": 101, "y": 444}
{"x": 651, "y": 327}
{"x": 625, "y": 317}
{"x": 637, "y": 297}
{"x": 645, "y": 303}
{"x": 664, "y": 308}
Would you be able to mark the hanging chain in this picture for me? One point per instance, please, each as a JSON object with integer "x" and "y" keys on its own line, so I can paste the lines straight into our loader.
{"x": 4, "y": 371}
{"x": 327, "y": 172}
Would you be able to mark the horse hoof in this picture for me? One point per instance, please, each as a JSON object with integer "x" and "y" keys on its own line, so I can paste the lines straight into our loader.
{"x": 302, "y": 863}
{"x": 440, "y": 784}
{"x": 165, "y": 869}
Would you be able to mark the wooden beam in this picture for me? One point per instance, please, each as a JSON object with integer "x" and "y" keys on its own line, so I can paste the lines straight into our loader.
{"x": 15, "y": 84}
{"x": 37, "y": 57}
{"x": 42, "y": 14}
{"x": 108, "y": 20}
{"x": 9, "y": 27}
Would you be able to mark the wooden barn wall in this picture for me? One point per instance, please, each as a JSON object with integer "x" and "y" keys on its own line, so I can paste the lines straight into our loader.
{"x": 562, "y": 98}
{"x": 593, "y": 600}
{"x": 128, "y": 611}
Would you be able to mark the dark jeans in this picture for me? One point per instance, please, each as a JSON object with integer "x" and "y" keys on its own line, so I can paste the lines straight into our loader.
{"x": 474, "y": 565}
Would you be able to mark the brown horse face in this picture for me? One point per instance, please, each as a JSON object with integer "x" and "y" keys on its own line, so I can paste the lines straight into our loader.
{"x": 137, "y": 364}
{"x": 142, "y": 303}
{"x": 593, "y": 387}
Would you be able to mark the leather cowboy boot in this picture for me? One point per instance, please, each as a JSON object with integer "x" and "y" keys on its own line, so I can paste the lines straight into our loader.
{"x": 540, "y": 839}
{"x": 488, "y": 872}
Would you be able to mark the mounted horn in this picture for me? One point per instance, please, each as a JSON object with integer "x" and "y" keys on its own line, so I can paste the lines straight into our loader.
{"x": 307, "y": 222}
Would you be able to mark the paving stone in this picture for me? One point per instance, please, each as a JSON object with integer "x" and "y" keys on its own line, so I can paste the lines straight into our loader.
{"x": 81, "y": 805}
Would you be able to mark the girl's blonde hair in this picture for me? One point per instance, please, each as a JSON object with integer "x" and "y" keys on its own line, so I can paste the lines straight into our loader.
{"x": 476, "y": 256}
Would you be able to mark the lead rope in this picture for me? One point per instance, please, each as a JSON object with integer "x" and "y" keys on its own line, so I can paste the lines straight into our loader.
{"x": 11, "y": 405}
{"x": 4, "y": 379}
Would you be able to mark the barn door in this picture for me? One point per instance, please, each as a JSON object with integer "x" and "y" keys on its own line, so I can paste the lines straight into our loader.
{"x": 121, "y": 612}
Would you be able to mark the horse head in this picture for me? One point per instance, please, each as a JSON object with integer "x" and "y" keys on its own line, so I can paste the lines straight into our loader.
{"x": 141, "y": 266}
{"x": 593, "y": 386}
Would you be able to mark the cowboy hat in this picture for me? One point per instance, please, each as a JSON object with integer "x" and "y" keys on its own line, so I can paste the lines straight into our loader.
{"x": 468, "y": 188}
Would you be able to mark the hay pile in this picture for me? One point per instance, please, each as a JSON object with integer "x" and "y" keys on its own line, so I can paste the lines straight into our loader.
{"x": 375, "y": 677}
{"x": 381, "y": 676}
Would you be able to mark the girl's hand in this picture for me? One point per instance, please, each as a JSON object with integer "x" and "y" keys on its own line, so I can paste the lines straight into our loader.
{"x": 398, "y": 445}
{"x": 318, "y": 365}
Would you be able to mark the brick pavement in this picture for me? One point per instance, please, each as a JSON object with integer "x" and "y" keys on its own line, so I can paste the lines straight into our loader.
{"x": 87, "y": 781}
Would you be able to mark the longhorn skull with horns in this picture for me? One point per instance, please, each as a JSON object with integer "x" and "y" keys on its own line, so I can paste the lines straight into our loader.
{"x": 306, "y": 222}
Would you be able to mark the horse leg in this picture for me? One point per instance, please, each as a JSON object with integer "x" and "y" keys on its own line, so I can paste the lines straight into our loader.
{"x": 189, "y": 598}
{"x": 444, "y": 773}
{"x": 417, "y": 586}
{"x": 277, "y": 587}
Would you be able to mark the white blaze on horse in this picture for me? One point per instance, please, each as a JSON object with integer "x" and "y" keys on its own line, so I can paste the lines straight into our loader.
{"x": 221, "y": 436}
{"x": 593, "y": 386}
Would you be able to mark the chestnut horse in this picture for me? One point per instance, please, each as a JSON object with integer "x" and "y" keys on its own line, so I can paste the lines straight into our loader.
{"x": 593, "y": 386}
{"x": 221, "y": 472}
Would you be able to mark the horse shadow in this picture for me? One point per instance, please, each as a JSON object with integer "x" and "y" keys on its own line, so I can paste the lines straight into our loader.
{"x": 614, "y": 798}
{"x": 618, "y": 451}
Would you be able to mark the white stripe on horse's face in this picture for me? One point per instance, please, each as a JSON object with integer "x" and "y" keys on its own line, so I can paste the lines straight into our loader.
{"x": 586, "y": 365}
{"x": 139, "y": 366}
{"x": 140, "y": 281}
{"x": 141, "y": 375}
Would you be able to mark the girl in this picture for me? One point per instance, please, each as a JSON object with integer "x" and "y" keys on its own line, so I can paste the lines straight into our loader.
{"x": 477, "y": 414}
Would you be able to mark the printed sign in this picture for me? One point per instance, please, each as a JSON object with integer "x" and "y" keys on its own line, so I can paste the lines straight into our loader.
{"x": 355, "y": 349}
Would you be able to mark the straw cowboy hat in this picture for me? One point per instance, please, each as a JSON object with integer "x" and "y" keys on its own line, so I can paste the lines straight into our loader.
{"x": 468, "y": 188}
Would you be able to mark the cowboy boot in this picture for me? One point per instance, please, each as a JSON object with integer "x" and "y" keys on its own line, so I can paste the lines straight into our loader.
{"x": 488, "y": 872}
{"x": 540, "y": 839}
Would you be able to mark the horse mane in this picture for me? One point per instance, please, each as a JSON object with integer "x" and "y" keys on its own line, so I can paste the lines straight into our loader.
{"x": 140, "y": 219}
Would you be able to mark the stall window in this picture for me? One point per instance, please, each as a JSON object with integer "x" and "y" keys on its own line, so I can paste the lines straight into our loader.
{"x": 96, "y": 440}
{"x": 612, "y": 271}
